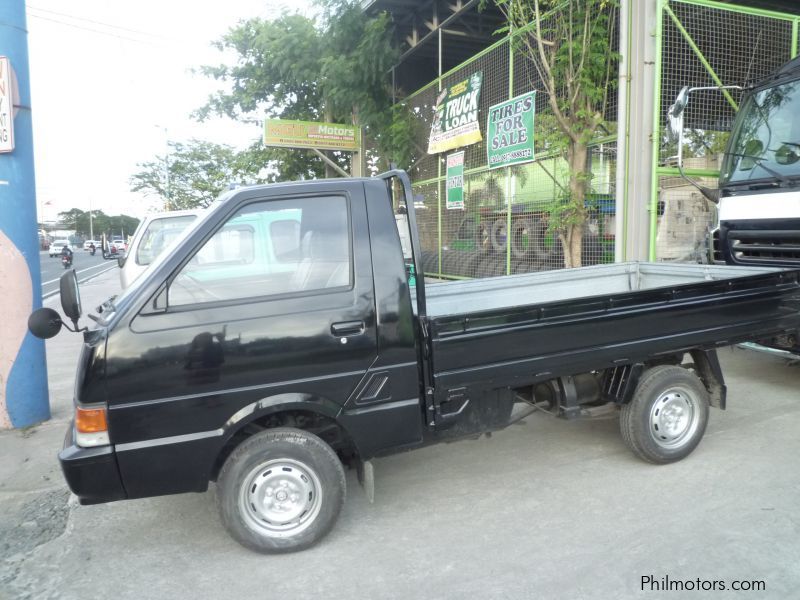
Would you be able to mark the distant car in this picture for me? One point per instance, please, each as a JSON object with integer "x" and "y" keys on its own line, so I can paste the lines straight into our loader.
{"x": 56, "y": 246}
{"x": 88, "y": 243}
{"x": 120, "y": 244}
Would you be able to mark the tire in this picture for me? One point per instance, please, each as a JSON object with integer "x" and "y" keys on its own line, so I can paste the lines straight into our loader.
{"x": 525, "y": 265}
{"x": 471, "y": 264}
{"x": 498, "y": 236}
{"x": 450, "y": 261}
{"x": 527, "y": 238}
{"x": 484, "y": 237}
{"x": 431, "y": 262}
{"x": 481, "y": 267}
{"x": 311, "y": 478}
{"x": 499, "y": 267}
{"x": 591, "y": 251}
{"x": 667, "y": 416}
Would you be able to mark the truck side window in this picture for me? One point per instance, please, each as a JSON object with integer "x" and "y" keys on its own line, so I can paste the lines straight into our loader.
{"x": 270, "y": 248}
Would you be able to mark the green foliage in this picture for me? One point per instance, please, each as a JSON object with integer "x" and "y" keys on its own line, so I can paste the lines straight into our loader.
{"x": 569, "y": 44}
{"x": 78, "y": 220}
{"x": 275, "y": 74}
{"x": 198, "y": 172}
{"x": 332, "y": 70}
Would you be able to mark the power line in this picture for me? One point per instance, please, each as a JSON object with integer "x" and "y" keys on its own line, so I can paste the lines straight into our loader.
{"x": 87, "y": 20}
{"x": 101, "y": 32}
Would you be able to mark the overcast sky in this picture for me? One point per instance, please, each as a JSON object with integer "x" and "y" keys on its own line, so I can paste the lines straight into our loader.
{"x": 108, "y": 76}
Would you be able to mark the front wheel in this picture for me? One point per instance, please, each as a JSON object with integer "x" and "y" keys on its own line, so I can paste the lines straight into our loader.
{"x": 667, "y": 416}
{"x": 280, "y": 491}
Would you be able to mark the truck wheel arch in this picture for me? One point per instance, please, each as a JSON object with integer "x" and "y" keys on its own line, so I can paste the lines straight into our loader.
{"x": 307, "y": 412}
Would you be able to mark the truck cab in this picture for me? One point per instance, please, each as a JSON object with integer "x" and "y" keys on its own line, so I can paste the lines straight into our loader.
{"x": 759, "y": 183}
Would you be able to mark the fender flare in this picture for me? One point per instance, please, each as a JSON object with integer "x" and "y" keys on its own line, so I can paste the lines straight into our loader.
{"x": 278, "y": 403}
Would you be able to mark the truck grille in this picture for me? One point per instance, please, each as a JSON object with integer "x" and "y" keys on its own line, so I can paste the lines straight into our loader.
{"x": 765, "y": 246}
{"x": 715, "y": 255}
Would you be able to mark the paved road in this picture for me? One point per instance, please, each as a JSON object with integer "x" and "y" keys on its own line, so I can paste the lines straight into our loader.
{"x": 85, "y": 265}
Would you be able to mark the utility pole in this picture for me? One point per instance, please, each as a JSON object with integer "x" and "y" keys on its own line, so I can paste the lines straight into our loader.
{"x": 91, "y": 220}
{"x": 166, "y": 164}
{"x": 23, "y": 369}
{"x": 166, "y": 167}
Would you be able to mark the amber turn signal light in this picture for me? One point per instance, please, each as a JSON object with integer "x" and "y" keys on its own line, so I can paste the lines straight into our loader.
{"x": 90, "y": 420}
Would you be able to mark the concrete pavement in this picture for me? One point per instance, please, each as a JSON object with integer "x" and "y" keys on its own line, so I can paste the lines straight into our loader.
{"x": 544, "y": 509}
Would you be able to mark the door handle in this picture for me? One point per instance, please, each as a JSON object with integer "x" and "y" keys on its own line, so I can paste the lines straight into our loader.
{"x": 347, "y": 328}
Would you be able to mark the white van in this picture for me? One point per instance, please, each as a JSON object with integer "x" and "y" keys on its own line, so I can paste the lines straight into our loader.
{"x": 154, "y": 234}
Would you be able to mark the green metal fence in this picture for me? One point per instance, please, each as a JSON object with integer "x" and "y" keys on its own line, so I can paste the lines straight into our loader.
{"x": 503, "y": 226}
{"x": 704, "y": 43}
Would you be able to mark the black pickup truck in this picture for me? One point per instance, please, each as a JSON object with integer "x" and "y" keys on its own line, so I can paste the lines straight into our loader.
{"x": 286, "y": 335}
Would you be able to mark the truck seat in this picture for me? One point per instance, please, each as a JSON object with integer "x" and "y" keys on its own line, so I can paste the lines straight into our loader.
{"x": 324, "y": 262}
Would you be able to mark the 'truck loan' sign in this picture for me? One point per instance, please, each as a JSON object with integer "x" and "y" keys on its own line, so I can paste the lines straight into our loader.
{"x": 509, "y": 131}
{"x": 455, "y": 116}
{"x": 309, "y": 134}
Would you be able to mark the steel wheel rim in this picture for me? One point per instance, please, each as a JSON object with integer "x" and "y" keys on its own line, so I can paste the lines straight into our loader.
{"x": 281, "y": 498}
{"x": 674, "y": 418}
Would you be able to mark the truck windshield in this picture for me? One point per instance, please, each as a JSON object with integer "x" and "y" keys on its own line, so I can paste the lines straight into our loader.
{"x": 765, "y": 143}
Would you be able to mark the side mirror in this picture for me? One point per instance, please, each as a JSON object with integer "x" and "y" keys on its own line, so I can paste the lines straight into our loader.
{"x": 675, "y": 118}
{"x": 786, "y": 156}
{"x": 44, "y": 323}
{"x": 681, "y": 102}
{"x": 70, "y": 296}
{"x": 121, "y": 261}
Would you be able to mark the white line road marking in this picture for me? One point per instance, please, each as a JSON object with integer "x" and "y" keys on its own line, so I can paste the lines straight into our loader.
{"x": 82, "y": 271}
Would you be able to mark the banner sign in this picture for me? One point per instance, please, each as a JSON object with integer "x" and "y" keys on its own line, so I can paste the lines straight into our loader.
{"x": 310, "y": 134}
{"x": 509, "y": 131}
{"x": 6, "y": 106}
{"x": 455, "y": 116}
{"x": 455, "y": 180}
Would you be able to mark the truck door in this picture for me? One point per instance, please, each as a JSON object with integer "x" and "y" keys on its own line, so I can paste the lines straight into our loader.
{"x": 274, "y": 305}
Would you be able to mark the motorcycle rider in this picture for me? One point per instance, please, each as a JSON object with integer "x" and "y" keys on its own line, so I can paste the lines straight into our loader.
{"x": 92, "y": 249}
{"x": 66, "y": 254}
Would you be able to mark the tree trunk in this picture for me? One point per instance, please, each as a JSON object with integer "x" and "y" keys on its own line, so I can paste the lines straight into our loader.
{"x": 572, "y": 235}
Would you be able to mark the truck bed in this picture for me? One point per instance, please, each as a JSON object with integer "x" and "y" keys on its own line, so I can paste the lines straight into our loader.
{"x": 526, "y": 328}
{"x": 478, "y": 295}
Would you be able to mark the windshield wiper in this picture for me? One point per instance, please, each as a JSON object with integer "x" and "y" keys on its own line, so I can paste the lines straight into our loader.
{"x": 758, "y": 160}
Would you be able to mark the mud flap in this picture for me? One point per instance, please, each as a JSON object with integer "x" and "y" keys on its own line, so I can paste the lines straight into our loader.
{"x": 366, "y": 477}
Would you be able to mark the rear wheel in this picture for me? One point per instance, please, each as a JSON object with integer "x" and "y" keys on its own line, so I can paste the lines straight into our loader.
{"x": 280, "y": 491}
{"x": 667, "y": 416}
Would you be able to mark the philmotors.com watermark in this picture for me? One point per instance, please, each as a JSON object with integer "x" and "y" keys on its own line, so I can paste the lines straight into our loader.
{"x": 651, "y": 583}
